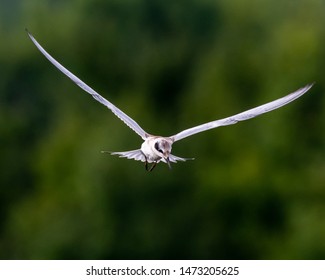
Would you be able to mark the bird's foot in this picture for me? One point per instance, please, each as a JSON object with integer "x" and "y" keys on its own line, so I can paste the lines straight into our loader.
{"x": 152, "y": 166}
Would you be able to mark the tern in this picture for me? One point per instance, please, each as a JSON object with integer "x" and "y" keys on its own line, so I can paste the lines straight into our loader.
{"x": 155, "y": 149}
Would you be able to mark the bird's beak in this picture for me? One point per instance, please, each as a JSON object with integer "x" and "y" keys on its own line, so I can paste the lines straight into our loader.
{"x": 168, "y": 162}
{"x": 166, "y": 156}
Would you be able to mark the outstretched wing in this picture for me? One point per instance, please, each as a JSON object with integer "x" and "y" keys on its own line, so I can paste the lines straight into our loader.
{"x": 121, "y": 115}
{"x": 252, "y": 113}
{"x": 134, "y": 154}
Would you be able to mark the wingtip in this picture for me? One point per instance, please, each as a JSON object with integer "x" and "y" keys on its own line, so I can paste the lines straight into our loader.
{"x": 310, "y": 85}
{"x": 305, "y": 89}
{"x": 29, "y": 34}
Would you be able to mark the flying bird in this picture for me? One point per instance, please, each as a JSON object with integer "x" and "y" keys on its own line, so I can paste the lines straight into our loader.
{"x": 155, "y": 149}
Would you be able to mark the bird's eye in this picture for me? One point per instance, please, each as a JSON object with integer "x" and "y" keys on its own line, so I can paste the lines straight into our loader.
{"x": 157, "y": 148}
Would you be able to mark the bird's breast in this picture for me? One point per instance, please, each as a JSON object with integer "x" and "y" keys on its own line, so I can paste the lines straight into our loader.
{"x": 147, "y": 149}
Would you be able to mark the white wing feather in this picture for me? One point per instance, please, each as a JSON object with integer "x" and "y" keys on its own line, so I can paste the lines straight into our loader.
{"x": 121, "y": 115}
{"x": 138, "y": 155}
{"x": 252, "y": 113}
{"x": 134, "y": 154}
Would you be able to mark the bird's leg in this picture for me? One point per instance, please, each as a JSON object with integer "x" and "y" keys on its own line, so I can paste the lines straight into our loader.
{"x": 146, "y": 162}
{"x": 153, "y": 166}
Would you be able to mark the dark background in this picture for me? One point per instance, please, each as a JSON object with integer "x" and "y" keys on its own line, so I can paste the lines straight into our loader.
{"x": 256, "y": 190}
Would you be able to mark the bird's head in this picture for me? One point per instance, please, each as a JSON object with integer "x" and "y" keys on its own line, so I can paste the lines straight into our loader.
{"x": 162, "y": 148}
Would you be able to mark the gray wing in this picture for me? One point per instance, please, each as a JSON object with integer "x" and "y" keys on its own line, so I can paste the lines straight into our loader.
{"x": 134, "y": 154}
{"x": 121, "y": 115}
{"x": 252, "y": 113}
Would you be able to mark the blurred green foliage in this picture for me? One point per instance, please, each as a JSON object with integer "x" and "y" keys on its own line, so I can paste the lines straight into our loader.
{"x": 255, "y": 191}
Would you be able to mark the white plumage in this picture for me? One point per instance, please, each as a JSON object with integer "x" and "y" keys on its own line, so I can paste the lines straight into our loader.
{"x": 157, "y": 148}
